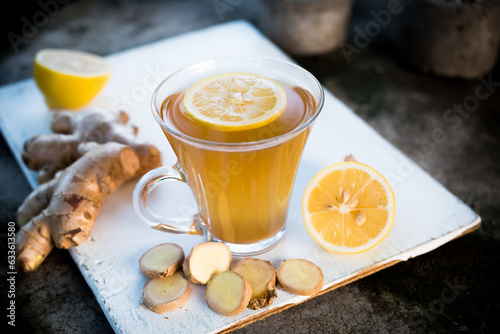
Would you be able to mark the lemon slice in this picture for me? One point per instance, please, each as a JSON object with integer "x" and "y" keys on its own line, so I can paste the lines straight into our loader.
{"x": 348, "y": 207}
{"x": 69, "y": 79}
{"x": 235, "y": 101}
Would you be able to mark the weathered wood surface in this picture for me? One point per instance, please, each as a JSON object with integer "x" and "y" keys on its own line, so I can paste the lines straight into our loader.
{"x": 427, "y": 215}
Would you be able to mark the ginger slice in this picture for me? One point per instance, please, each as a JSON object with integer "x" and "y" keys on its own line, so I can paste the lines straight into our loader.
{"x": 262, "y": 277}
{"x": 300, "y": 277}
{"x": 228, "y": 293}
{"x": 161, "y": 295}
{"x": 205, "y": 260}
{"x": 161, "y": 261}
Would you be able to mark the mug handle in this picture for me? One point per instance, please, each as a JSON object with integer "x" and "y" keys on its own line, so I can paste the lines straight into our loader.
{"x": 146, "y": 184}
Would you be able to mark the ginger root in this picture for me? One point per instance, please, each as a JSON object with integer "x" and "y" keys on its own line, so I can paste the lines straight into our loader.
{"x": 91, "y": 153}
{"x": 228, "y": 293}
{"x": 63, "y": 212}
{"x": 262, "y": 277}
{"x": 205, "y": 260}
{"x": 161, "y": 295}
{"x": 49, "y": 153}
{"x": 300, "y": 277}
{"x": 161, "y": 261}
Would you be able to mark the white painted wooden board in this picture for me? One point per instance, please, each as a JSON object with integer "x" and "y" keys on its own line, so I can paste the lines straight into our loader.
{"x": 427, "y": 215}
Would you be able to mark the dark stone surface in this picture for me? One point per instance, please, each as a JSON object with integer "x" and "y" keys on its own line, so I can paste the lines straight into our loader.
{"x": 404, "y": 106}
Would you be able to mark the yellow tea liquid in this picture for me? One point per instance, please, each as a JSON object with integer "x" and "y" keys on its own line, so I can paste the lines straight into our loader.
{"x": 242, "y": 194}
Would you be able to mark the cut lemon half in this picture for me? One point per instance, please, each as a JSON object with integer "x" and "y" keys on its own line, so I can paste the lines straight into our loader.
{"x": 235, "y": 101}
{"x": 348, "y": 207}
{"x": 69, "y": 79}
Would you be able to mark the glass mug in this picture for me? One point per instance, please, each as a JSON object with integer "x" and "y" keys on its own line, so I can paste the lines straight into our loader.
{"x": 242, "y": 180}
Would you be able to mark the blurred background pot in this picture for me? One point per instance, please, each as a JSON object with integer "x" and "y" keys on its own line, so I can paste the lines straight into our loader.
{"x": 306, "y": 27}
{"x": 453, "y": 38}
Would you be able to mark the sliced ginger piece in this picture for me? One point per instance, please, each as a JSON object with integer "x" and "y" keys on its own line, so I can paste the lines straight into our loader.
{"x": 300, "y": 277}
{"x": 262, "y": 277}
{"x": 161, "y": 295}
{"x": 228, "y": 293}
{"x": 205, "y": 260}
{"x": 161, "y": 261}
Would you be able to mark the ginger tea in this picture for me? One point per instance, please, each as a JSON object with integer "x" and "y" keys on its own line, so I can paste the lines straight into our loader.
{"x": 242, "y": 193}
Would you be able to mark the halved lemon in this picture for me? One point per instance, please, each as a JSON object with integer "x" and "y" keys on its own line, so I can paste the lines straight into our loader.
{"x": 235, "y": 101}
{"x": 69, "y": 79}
{"x": 348, "y": 207}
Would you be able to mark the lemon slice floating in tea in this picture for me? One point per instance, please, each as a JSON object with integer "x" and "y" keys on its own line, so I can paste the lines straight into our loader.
{"x": 69, "y": 79}
{"x": 235, "y": 101}
{"x": 348, "y": 207}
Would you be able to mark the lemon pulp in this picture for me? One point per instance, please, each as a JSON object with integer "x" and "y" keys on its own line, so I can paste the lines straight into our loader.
{"x": 235, "y": 101}
{"x": 348, "y": 207}
{"x": 69, "y": 79}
